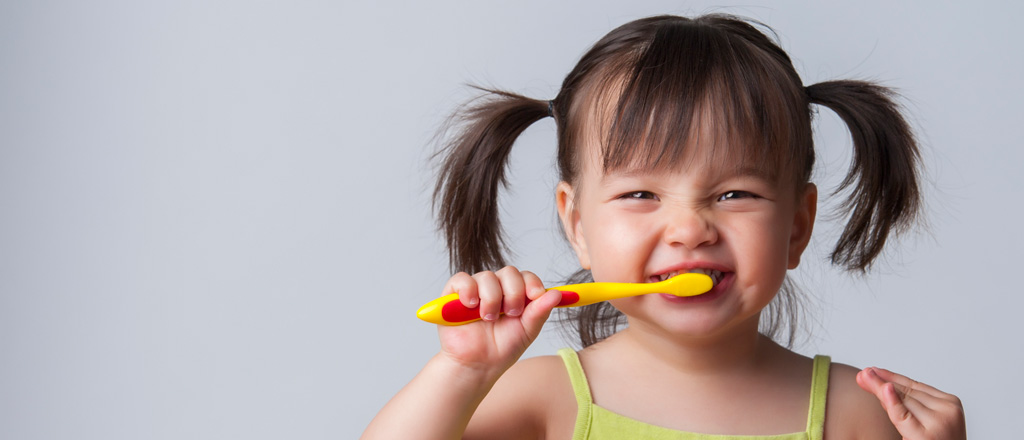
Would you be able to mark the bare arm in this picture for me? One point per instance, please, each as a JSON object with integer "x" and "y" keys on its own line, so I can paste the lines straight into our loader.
{"x": 436, "y": 404}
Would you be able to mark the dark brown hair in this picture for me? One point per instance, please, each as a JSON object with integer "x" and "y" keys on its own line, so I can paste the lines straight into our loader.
{"x": 656, "y": 85}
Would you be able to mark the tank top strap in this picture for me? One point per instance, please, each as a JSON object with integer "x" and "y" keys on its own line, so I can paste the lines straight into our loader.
{"x": 580, "y": 387}
{"x": 819, "y": 393}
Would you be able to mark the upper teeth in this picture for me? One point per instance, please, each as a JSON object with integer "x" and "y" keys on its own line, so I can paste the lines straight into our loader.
{"x": 716, "y": 276}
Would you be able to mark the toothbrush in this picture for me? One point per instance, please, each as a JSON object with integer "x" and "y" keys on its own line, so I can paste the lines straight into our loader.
{"x": 448, "y": 310}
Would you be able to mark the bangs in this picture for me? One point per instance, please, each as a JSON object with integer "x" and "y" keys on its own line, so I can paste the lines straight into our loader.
{"x": 699, "y": 86}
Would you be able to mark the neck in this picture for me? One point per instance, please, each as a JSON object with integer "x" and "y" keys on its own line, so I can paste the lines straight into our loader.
{"x": 736, "y": 350}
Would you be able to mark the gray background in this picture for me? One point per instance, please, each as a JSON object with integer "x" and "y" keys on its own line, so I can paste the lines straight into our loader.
{"x": 215, "y": 216}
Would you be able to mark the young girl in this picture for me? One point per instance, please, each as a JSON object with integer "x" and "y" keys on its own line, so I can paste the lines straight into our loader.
{"x": 684, "y": 145}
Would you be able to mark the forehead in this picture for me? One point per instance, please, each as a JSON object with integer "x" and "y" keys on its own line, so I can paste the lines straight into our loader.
{"x": 709, "y": 141}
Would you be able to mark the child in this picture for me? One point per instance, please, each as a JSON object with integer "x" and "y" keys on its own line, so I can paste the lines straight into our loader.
{"x": 684, "y": 145}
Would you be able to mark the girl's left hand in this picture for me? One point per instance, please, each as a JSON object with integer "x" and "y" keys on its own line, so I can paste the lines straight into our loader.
{"x": 918, "y": 411}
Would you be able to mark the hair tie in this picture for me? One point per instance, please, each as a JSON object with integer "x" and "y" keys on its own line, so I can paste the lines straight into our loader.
{"x": 551, "y": 108}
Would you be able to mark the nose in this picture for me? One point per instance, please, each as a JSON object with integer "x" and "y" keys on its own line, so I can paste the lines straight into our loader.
{"x": 690, "y": 227}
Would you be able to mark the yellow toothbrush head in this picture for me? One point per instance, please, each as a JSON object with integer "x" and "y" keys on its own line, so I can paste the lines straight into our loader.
{"x": 684, "y": 284}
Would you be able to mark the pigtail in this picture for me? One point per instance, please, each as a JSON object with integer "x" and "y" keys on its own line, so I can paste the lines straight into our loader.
{"x": 883, "y": 174}
{"x": 473, "y": 168}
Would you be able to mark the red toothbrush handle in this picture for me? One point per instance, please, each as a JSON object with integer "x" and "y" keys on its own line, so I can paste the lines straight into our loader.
{"x": 454, "y": 313}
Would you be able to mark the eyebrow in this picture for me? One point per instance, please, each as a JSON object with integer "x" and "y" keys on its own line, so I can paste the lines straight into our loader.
{"x": 760, "y": 173}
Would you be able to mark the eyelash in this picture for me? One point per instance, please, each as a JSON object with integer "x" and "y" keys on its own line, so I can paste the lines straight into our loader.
{"x": 638, "y": 195}
{"x": 742, "y": 194}
{"x": 728, "y": 195}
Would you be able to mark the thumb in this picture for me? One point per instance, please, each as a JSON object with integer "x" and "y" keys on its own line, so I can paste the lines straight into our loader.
{"x": 537, "y": 312}
{"x": 900, "y": 416}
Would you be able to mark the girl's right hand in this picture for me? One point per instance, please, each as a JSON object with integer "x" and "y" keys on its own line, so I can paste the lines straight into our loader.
{"x": 440, "y": 401}
{"x": 493, "y": 344}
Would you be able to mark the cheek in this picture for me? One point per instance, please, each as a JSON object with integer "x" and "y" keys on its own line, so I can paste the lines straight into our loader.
{"x": 768, "y": 231}
{"x": 767, "y": 248}
{"x": 618, "y": 248}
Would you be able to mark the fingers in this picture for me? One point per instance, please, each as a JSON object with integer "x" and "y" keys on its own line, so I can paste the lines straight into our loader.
{"x": 489, "y": 288}
{"x": 506, "y": 291}
{"x": 902, "y": 412}
{"x": 901, "y": 416}
{"x": 463, "y": 284}
{"x": 905, "y": 384}
{"x": 905, "y": 388}
{"x": 513, "y": 288}
{"x": 539, "y": 303}
{"x": 534, "y": 286}
{"x": 913, "y": 407}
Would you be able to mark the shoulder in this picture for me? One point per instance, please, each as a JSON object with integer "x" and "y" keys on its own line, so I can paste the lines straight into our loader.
{"x": 529, "y": 377}
{"x": 533, "y": 399}
{"x": 542, "y": 385}
{"x": 851, "y": 412}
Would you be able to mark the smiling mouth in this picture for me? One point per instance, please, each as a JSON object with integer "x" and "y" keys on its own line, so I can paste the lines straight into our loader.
{"x": 716, "y": 275}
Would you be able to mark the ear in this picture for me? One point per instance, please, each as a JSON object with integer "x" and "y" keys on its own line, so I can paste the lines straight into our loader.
{"x": 571, "y": 225}
{"x": 803, "y": 223}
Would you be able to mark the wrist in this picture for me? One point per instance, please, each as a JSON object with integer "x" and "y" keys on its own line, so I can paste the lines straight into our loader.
{"x": 462, "y": 375}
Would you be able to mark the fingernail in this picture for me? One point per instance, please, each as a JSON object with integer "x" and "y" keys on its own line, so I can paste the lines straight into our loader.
{"x": 489, "y": 317}
{"x": 473, "y": 302}
{"x": 514, "y": 312}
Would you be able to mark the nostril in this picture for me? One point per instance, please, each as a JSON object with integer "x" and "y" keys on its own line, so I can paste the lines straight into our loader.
{"x": 691, "y": 237}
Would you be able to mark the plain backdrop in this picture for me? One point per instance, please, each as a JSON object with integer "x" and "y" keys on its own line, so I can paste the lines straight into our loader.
{"x": 215, "y": 216}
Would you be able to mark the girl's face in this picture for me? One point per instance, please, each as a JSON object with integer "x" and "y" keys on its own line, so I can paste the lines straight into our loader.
{"x": 739, "y": 227}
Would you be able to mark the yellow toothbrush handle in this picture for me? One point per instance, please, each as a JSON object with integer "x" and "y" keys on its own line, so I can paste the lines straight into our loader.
{"x": 448, "y": 310}
{"x": 593, "y": 293}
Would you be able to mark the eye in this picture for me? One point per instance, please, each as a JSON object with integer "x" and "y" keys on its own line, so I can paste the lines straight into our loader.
{"x": 736, "y": 195}
{"x": 638, "y": 195}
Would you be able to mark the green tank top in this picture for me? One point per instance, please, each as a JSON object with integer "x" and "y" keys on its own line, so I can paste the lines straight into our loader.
{"x": 596, "y": 423}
